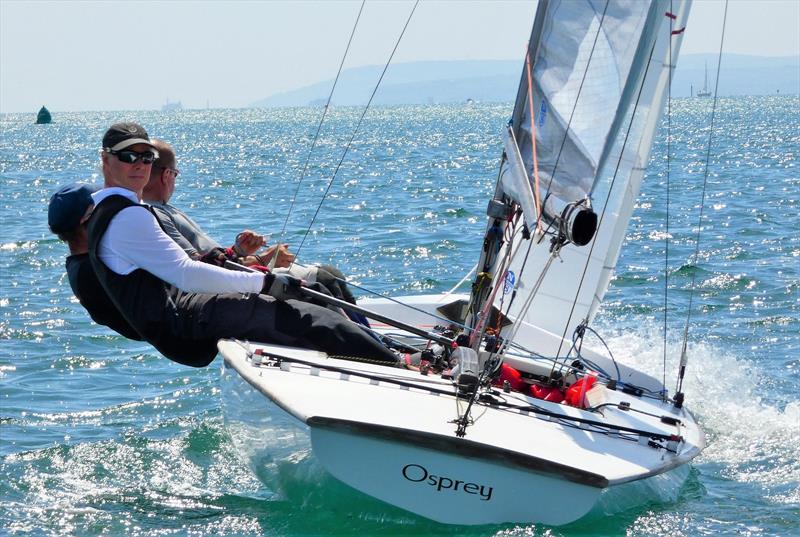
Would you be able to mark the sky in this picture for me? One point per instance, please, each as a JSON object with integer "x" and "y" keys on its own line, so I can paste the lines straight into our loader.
{"x": 130, "y": 55}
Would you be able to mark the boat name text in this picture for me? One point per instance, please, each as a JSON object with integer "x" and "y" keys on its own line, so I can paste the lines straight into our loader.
{"x": 419, "y": 474}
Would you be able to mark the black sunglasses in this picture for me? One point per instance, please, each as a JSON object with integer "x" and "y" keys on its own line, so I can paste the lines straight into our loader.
{"x": 174, "y": 171}
{"x": 132, "y": 157}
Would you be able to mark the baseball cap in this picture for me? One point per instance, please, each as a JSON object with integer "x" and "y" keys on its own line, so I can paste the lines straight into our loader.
{"x": 68, "y": 205}
{"x": 122, "y": 135}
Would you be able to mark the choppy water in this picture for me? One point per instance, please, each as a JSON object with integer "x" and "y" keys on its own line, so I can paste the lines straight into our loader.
{"x": 99, "y": 435}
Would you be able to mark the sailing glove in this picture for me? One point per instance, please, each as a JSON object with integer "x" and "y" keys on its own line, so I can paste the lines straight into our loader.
{"x": 282, "y": 287}
{"x": 285, "y": 287}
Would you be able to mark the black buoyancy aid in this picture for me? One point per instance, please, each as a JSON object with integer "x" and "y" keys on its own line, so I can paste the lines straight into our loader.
{"x": 94, "y": 299}
{"x": 146, "y": 302}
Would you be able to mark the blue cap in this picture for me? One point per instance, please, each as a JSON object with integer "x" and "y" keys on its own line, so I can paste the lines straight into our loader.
{"x": 68, "y": 205}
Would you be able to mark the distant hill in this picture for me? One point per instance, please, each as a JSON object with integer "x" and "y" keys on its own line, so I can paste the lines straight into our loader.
{"x": 497, "y": 81}
{"x": 410, "y": 83}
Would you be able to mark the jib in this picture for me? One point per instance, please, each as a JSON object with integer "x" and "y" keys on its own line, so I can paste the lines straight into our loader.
{"x": 419, "y": 474}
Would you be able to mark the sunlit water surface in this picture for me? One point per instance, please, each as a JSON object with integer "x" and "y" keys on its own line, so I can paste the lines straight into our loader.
{"x": 103, "y": 436}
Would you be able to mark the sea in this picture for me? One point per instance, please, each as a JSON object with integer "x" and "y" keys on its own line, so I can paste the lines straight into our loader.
{"x": 103, "y": 436}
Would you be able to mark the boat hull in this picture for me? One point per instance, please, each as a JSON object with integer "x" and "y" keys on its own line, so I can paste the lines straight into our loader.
{"x": 447, "y": 487}
{"x": 398, "y": 467}
{"x": 389, "y": 433}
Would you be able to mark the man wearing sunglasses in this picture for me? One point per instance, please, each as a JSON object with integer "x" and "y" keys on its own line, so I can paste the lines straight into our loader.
{"x": 167, "y": 296}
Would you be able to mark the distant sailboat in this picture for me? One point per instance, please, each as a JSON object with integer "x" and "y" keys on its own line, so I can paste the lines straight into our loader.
{"x": 43, "y": 117}
{"x": 171, "y": 106}
{"x": 704, "y": 92}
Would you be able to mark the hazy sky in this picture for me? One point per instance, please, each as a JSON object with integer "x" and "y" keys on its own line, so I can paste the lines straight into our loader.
{"x": 126, "y": 55}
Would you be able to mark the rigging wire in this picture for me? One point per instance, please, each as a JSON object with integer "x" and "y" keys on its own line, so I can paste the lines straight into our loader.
{"x": 666, "y": 218}
{"x": 464, "y": 279}
{"x": 403, "y": 304}
{"x": 684, "y": 358}
{"x": 440, "y": 389}
{"x": 355, "y": 131}
{"x": 321, "y": 121}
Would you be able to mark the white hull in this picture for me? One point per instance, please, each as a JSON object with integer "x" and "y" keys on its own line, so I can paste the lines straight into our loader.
{"x": 389, "y": 433}
{"x": 279, "y": 447}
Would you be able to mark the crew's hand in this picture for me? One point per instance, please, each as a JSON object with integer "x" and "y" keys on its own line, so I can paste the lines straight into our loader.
{"x": 248, "y": 242}
{"x": 285, "y": 257}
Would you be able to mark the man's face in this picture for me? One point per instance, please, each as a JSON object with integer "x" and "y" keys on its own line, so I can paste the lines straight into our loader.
{"x": 122, "y": 174}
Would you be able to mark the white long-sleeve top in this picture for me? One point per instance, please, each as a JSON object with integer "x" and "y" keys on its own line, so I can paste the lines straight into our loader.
{"x": 135, "y": 240}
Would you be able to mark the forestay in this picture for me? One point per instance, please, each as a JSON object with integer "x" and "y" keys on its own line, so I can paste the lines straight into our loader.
{"x": 599, "y": 71}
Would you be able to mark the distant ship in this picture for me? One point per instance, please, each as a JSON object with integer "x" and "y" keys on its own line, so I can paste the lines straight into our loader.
{"x": 43, "y": 117}
{"x": 704, "y": 92}
{"x": 171, "y": 106}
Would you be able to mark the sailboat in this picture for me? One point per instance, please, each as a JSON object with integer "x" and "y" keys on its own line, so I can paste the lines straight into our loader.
{"x": 171, "y": 106}
{"x": 705, "y": 92}
{"x": 501, "y": 414}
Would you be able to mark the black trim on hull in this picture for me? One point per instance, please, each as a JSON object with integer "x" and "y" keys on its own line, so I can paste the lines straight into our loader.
{"x": 461, "y": 447}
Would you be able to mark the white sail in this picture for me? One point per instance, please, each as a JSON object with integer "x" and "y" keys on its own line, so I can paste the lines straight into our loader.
{"x": 600, "y": 71}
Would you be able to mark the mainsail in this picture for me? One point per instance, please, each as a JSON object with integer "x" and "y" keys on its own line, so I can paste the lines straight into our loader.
{"x": 598, "y": 73}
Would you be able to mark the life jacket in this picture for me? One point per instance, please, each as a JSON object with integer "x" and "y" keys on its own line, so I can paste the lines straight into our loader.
{"x": 94, "y": 299}
{"x": 146, "y": 302}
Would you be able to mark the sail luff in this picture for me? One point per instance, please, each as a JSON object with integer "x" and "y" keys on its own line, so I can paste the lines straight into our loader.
{"x": 500, "y": 206}
{"x": 533, "y": 44}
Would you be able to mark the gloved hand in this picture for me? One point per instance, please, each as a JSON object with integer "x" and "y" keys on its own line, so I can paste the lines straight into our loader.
{"x": 282, "y": 287}
{"x": 215, "y": 256}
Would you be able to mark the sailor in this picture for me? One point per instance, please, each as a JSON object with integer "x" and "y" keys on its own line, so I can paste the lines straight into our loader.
{"x": 67, "y": 214}
{"x": 199, "y": 245}
{"x": 167, "y": 296}
{"x": 189, "y": 236}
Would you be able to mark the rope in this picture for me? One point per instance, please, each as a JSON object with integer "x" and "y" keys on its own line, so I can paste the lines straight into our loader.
{"x": 319, "y": 126}
{"x": 684, "y": 359}
{"x": 355, "y": 131}
{"x": 535, "y": 162}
